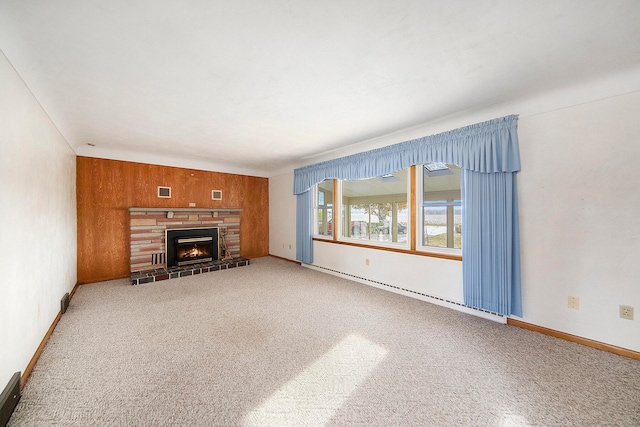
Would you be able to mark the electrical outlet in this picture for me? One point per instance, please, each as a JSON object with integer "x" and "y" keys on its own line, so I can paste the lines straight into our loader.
{"x": 626, "y": 312}
{"x": 191, "y": 204}
{"x": 366, "y": 261}
{"x": 574, "y": 303}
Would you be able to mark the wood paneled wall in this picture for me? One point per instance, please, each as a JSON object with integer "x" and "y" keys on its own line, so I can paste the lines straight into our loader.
{"x": 106, "y": 189}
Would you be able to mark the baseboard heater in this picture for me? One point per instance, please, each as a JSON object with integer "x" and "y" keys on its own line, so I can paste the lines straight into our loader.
{"x": 9, "y": 399}
{"x": 446, "y": 302}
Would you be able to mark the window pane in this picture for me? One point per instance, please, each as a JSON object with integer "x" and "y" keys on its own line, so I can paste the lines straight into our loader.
{"x": 324, "y": 208}
{"x": 381, "y": 220}
{"x": 435, "y": 226}
{"x": 441, "y": 207}
{"x": 359, "y": 224}
{"x": 403, "y": 221}
{"x": 457, "y": 227}
{"x": 376, "y": 209}
{"x": 325, "y": 226}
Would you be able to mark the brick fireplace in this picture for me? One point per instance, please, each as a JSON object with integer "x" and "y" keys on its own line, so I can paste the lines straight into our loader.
{"x": 148, "y": 229}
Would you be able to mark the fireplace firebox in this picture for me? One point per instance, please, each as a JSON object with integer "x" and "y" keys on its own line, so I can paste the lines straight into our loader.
{"x": 185, "y": 246}
{"x": 193, "y": 250}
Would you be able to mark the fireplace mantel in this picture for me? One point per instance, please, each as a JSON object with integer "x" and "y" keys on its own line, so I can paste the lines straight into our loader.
{"x": 233, "y": 210}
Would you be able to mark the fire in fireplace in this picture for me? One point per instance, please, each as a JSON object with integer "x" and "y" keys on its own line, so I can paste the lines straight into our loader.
{"x": 193, "y": 250}
{"x": 191, "y": 246}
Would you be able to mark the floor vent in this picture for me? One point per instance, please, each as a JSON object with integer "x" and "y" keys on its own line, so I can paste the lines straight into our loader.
{"x": 9, "y": 398}
{"x": 64, "y": 303}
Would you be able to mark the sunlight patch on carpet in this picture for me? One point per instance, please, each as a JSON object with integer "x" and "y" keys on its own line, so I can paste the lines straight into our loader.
{"x": 314, "y": 396}
{"x": 512, "y": 420}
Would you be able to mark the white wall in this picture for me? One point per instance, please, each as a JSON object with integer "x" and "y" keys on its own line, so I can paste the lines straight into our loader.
{"x": 37, "y": 217}
{"x": 579, "y": 203}
{"x": 282, "y": 216}
{"x": 580, "y": 149}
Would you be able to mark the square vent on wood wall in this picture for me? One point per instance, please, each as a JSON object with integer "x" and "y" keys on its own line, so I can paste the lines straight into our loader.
{"x": 216, "y": 194}
{"x": 164, "y": 192}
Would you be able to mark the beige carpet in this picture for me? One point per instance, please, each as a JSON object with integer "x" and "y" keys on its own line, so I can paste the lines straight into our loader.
{"x": 276, "y": 344}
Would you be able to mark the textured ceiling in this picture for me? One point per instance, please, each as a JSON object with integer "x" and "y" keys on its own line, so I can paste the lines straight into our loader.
{"x": 254, "y": 86}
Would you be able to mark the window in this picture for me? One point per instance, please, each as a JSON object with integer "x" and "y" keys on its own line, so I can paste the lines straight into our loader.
{"x": 324, "y": 208}
{"x": 441, "y": 206}
{"x": 376, "y": 209}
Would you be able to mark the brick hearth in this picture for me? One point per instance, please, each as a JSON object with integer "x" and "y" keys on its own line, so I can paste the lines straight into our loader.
{"x": 158, "y": 274}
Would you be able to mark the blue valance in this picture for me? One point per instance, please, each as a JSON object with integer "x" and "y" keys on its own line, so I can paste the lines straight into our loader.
{"x": 486, "y": 147}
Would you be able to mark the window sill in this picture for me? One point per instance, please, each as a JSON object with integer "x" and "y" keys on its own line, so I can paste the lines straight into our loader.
{"x": 450, "y": 256}
{"x": 440, "y": 250}
{"x": 322, "y": 237}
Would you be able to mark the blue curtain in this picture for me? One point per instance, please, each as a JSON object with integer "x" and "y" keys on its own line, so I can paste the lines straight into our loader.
{"x": 304, "y": 227}
{"x": 491, "y": 256}
{"x": 491, "y": 243}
